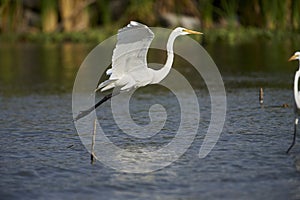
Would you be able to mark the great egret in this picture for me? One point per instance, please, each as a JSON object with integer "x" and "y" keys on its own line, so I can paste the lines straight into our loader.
{"x": 296, "y": 56}
{"x": 129, "y": 61}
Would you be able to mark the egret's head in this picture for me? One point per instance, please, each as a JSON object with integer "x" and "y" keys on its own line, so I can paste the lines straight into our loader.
{"x": 184, "y": 31}
{"x": 296, "y": 56}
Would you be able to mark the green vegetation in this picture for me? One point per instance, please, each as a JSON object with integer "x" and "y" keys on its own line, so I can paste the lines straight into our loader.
{"x": 232, "y": 21}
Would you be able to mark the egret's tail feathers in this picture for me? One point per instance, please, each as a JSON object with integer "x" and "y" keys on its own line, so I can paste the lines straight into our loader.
{"x": 110, "y": 86}
{"x": 106, "y": 84}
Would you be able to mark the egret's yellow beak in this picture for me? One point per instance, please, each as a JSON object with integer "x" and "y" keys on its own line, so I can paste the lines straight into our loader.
{"x": 192, "y": 32}
{"x": 294, "y": 57}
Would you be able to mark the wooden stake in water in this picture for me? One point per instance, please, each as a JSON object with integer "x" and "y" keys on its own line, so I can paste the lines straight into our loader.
{"x": 261, "y": 101}
{"x": 93, "y": 156}
{"x": 261, "y": 96}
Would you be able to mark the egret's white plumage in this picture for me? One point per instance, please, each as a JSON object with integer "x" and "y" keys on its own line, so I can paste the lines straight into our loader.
{"x": 296, "y": 56}
{"x": 129, "y": 62}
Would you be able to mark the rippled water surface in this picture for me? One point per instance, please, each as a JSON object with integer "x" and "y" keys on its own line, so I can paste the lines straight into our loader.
{"x": 42, "y": 156}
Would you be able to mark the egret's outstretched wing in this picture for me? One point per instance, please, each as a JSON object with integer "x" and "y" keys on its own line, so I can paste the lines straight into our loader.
{"x": 131, "y": 49}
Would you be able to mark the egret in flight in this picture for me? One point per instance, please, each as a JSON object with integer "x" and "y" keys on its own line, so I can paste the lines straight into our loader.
{"x": 296, "y": 56}
{"x": 129, "y": 61}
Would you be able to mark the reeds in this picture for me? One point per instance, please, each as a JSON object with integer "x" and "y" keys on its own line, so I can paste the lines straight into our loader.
{"x": 206, "y": 9}
{"x": 68, "y": 16}
{"x": 140, "y": 10}
{"x": 10, "y": 15}
{"x": 295, "y": 14}
{"x": 74, "y": 14}
{"x": 49, "y": 16}
{"x": 276, "y": 14}
{"x": 228, "y": 12}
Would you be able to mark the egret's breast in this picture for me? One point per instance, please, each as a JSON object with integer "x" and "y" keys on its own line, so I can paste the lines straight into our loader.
{"x": 142, "y": 77}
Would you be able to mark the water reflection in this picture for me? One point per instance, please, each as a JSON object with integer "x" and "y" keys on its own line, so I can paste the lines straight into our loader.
{"x": 39, "y": 68}
{"x": 36, "y": 67}
{"x": 257, "y": 56}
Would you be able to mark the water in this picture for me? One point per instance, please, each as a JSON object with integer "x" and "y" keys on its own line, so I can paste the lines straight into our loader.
{"x": 42, "y": 156}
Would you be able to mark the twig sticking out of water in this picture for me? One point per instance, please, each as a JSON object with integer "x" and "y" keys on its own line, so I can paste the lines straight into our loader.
{"x": 261, "y": 101}
{"x": 261, "y": 96}
{"x": 93, "y": 156}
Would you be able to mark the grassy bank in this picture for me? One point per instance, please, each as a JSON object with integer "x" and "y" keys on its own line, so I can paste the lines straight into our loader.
{"x": 226, "y": 35}
{"x": 248, "y": 34}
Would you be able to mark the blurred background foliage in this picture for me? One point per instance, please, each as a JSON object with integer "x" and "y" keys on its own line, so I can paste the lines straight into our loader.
{"x": 94, "y": 20}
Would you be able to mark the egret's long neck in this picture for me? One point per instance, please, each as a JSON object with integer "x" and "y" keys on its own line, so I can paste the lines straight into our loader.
{"x": 160, "y": 74}
{"x": 296, "y": 89}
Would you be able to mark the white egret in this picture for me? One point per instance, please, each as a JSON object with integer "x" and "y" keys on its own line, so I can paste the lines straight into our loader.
{"x": 296, "y": 56}
{"x": 129, "y": 61}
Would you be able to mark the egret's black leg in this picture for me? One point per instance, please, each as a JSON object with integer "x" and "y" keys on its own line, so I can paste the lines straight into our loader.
{"x": 86, "y": 112}
{"x": 295, "y": 135}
